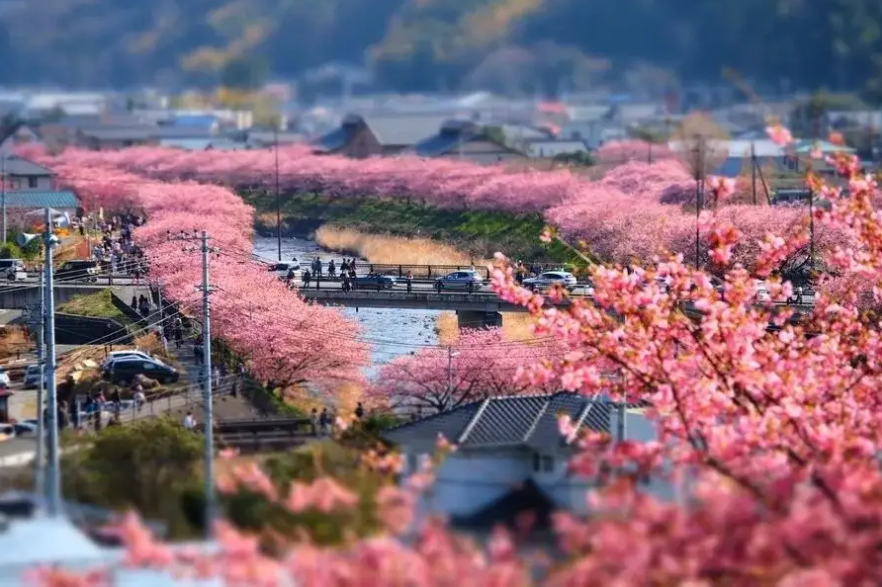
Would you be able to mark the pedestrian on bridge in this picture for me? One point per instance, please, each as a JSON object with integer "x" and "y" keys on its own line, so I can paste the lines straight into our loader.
{"x": 307, "y": 277}
{"x": 409, "y": 279}
{"x": 332, "y": 269}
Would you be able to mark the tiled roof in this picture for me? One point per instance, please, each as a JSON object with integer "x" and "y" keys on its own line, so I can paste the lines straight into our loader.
{"x": 527, "y": 420}
{"x": 332, "y": 141}
{"x": 403, "y": 130}
{"x": 15, "y": 165}
{"x": 35, "y": 199}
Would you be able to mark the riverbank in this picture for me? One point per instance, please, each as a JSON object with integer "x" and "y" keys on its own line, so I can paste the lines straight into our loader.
{"x": 477, "y": 233}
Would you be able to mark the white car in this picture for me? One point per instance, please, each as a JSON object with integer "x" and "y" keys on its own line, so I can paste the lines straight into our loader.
{"x": 550, "y": 278}
{"x": 762, "y": 292}
{"x": 113, "y": 356}
{"x": 13, "y": 269}
{"x": 4, "y": 377}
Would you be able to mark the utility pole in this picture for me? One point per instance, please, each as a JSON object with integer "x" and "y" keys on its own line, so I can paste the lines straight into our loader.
{"x": 620, "y": 423}
{"x": 699, "y": 185}
{"x": 753, "y": 171}
{"x": 278, "y": 193}
{"x": 54, "y": 468}
{"x": 39, "y": 466}
{"x": 811, "y": 233}
{"x": 3, "y": 191}
{"x": 210, "y": 495}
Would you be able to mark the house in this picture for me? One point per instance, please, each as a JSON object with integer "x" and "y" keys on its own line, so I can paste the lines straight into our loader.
{"x": 737, "y": 156}
{"x": 19, "y": 174}
{"x": 361, "y": 136}
{"x": 102, "y": 138}
{"x": 509, "y": 447}
{"x": 549, "y": 149}
{"x": 21, "y": 205}
{"x": 466, "y": 141}
{"x": 17, "y": 135}
{"x": 593, "y": 133}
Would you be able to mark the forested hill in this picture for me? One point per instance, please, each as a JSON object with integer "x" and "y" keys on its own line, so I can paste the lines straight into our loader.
{"x": 428, "y": 44}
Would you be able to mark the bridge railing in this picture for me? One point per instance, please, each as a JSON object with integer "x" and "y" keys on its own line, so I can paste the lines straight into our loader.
{"x": 421, "y": 272}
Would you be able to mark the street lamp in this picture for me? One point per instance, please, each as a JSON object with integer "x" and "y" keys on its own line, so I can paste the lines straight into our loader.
{"x": 450, "y": 355}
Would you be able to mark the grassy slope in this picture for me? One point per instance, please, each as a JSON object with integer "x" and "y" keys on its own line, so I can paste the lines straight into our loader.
{"x": 96, "y": 305}
{"x": 480, "y": 232}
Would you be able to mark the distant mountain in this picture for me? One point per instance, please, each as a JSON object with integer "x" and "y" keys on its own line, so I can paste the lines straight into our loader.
{"x": 433, "y": 44}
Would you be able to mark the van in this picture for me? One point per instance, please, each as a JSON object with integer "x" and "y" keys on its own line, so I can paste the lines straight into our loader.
{"x": 13, "y": 269}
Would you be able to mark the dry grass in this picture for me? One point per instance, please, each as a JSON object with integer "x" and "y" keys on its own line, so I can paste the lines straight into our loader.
{"x": 379, "y": 248}
{"x": 13, "y": 341}
{"x": 517, "y": 326}
{"x": 447, "y": 328}
{"x": 343, "y": 400}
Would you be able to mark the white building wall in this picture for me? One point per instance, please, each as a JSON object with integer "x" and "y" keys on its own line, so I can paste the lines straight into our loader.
{"x": 466, "y": 482}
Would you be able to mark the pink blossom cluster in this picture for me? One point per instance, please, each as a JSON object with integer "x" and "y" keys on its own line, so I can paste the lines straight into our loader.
{"x": 281, "y": 338}
{"x": 480, "y": 364}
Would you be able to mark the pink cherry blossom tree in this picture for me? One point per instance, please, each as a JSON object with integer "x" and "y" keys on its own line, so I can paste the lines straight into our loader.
{"x": 481, "y": 364}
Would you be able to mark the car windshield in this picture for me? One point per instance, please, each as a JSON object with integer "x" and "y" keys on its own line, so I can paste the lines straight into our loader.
{"x": 7, "y": 264}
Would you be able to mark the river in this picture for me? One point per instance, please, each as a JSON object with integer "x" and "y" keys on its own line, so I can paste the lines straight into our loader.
{"x": 390, "y": 332}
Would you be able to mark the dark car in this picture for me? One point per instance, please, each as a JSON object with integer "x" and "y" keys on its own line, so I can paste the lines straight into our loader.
{"x": 374, "y": 281}
{"x": 78, "y": 271}
{"x": 123, "y": 372}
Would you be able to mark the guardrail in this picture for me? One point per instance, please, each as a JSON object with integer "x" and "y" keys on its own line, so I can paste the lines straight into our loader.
{"x": 424, "y": 271}
{"x": 263, "y": 426}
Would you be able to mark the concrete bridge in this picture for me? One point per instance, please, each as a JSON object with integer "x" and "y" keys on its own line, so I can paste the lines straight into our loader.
{"x": 475, "y": 309}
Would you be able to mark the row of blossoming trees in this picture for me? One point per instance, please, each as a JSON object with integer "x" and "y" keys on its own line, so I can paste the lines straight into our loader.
{"x": 770, "y": 439}
{"x": 281, "y": 339}
{"x": 637, "y": 210}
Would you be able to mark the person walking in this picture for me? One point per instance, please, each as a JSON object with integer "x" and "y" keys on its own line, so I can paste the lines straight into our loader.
{"x": 332, "y": 269}
{"x": 409, "y": 279}
{"x": 189, "y": 421}
{"x": 324, "y": 421}
{"x": 314, "y": 419}
{"x": 307, "y": 277}
{"x": 359, "y": 411}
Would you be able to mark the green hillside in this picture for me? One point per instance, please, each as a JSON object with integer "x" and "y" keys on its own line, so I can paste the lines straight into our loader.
{"x": 431, "y": 44}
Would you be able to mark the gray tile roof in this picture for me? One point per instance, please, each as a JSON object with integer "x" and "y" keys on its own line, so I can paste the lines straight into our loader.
{"x": 15, "y": 165}
{"x": 527, "y": 420}
{"x": 37, "y": 199}
{"x": 404, "y": 130}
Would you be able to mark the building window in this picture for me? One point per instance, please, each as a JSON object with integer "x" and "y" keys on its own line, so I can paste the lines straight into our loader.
{"x": 547, "y": 464}
{"x": 537, "y": 463}
{"x": 32, "y": 182}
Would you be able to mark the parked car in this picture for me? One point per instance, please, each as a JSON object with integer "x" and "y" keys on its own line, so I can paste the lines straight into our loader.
{"x": 550, "y": 278}
{"x": 32, "y": 376}
{"x": 126, "y": 354}
{"x": 468, "y": 279}
{"x": 7, "y": 431}
{"x": 4, "y": 377}
{"x": 282, "y": 269}
{"x": 78, "y": 271}
{"x": 13, "y": 269}
{"x": 124, "y": 371}
{"x": 26, "y": 427}
{"x": 373, "y": 280}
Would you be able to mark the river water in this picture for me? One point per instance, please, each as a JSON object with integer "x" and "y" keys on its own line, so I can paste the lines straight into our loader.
{"x": 390, "y": 332}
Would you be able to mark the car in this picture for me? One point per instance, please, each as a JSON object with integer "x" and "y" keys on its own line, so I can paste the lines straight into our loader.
{"x": 125, "y": 354}
{"x": 78, "y": 271}
{"x": 4, "y": 377}
{"x": 32, "y": 376}
{"x": 550, "y": 278}
{"x": 26, "y": 427}
{"x": 124, "y": 371}
{"x": 374, "y": 281}
{"x": 7, "y": 431}
{"x": 468, "y": 279}
{"x": 13, "y": 269}
{"x": 284, "y": 268}
{"x": 762, "y": 292}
